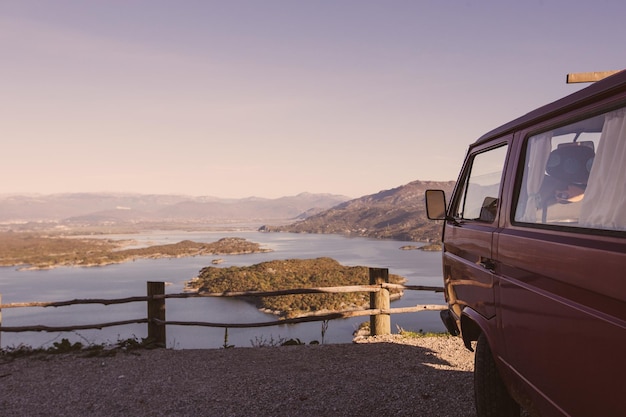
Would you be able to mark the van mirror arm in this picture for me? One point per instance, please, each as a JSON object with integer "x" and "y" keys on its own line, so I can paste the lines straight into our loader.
{"x": 453, "y": 220}
{"x": 436, "y": 208}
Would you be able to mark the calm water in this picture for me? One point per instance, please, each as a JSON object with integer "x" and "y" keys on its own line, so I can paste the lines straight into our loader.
{"x": 129, "y": 279}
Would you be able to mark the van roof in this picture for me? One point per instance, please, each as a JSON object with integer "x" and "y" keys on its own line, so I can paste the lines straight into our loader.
{"x": 595, "y": 91}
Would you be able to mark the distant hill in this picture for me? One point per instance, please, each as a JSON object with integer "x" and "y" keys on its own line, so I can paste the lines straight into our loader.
{"x": 93, "y": 209}
{"x": 398, "y": 214}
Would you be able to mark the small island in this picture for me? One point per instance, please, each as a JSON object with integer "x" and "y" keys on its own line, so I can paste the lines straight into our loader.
{"x": 42, "y": 252}
{"x": 289, "y": 274}
{"x": 432, "y": 247}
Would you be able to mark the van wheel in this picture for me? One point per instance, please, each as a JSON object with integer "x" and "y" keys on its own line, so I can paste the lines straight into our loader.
{"x": 491, "y": 397}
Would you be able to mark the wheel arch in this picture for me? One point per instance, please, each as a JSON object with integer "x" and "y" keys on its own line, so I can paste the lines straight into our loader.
{"x": 472, "y": 326}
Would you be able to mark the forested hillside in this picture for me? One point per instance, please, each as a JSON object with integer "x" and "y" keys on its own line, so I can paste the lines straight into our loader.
{"x": 398, "y": 214}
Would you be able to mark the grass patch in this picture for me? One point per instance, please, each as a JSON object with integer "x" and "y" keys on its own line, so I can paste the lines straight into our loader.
{"x": 420, "y": 333}
{"x": 90, "y": 350}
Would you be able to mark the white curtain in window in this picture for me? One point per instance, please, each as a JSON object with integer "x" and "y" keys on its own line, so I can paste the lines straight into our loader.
{"x": 537, "y": 157}
{"x": 604, "y": 205}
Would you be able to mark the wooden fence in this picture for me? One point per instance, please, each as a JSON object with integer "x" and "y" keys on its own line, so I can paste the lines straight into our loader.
{"x": 379, "y": 311}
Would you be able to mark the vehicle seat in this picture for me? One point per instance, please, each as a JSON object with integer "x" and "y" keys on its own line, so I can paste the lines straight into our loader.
{"x": 567, "y": 172}
{"x": 571, "y": 162}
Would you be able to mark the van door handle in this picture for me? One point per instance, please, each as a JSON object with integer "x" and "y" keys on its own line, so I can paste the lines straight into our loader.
{"x": 488, "y": 264}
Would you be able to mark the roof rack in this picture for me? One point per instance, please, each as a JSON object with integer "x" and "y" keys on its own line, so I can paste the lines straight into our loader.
{"x": 588, "y": 77}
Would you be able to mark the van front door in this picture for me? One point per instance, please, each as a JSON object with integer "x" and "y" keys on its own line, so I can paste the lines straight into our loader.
{"x": 473, "y": 219}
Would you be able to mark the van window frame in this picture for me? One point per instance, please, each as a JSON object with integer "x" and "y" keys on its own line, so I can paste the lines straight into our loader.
{"x": 461, "y": 191}
{"x": 546, "y": 126}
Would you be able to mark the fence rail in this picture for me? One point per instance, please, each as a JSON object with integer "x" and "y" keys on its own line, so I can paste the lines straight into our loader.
{"x": 379, "y": 310}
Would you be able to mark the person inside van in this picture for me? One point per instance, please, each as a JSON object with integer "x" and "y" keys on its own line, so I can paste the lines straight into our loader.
{"x": 567, "y": 182}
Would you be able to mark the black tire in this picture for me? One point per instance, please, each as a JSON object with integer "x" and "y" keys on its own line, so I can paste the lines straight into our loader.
{"x": 490, "y": 395}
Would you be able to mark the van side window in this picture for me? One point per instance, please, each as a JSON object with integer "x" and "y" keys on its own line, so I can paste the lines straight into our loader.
{"x": 481, "y": 186}
{"x": 574, "y": 175}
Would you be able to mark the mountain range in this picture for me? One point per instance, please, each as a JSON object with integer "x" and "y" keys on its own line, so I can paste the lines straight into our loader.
{"x": 397, "y": 213}
{"x": 99, "y": 208}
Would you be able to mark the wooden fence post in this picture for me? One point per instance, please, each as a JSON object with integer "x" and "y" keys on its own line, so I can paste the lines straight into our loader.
{"x": 381, "y": 323}
{"x": 156, "y": 310}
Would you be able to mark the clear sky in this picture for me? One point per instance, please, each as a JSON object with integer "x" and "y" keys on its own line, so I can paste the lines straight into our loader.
{"x": 268, "y": 98}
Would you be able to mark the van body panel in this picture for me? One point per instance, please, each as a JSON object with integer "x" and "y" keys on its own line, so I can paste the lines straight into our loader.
{"x": 598, "y": 276}
{"x": 529, "y": 396}
{"x": 554, "y": 321}
{"x": 543, "y": 273}
{"x": 468, "y": 284}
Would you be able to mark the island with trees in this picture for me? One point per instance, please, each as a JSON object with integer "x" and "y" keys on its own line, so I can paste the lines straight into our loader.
{"x": 290, "y": 274}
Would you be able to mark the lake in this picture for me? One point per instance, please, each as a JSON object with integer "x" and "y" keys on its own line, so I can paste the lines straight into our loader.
{"x": 129, "y": 279}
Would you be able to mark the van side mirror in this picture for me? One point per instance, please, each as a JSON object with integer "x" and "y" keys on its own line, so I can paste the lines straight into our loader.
{"x": 435, "y": 204}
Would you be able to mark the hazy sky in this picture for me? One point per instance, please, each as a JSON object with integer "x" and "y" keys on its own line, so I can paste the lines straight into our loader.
{"x": 276, "y": 97}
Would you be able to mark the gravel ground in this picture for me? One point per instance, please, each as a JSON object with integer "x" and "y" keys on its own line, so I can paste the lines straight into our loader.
{"x": 382, "y": 376}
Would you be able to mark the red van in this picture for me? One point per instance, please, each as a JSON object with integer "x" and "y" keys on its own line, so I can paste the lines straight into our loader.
{"x": 534, "y": 258}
